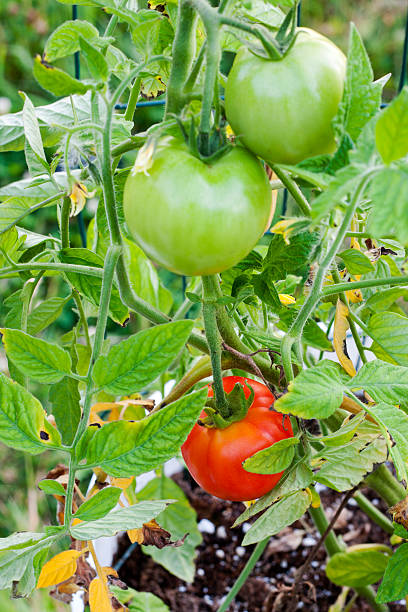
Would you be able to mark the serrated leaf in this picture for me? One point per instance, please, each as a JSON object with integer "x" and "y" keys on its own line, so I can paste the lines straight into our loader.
{"x": 23, "y": 423}
{"x": 395, "y": 582}
{"x": 356, "y": 262}
{"x": 283, "y": 259}
{"x": 339, "y": 187}
{"x": 97, "y": 64}
{"x": 315, "y": 393}
{"x": 389, "y": 332}
{"x": 36, "y": 358}
{"x": 99, "y": 504}
{"x": 44, "y": 314}
{"x": 137, "y": 361}
{"x": 395, "y": 422}
{"x": 357, "y": 568}
{"x": 273, "y": 459}
{"x": 279, "y": 515}
{"x": 59, "y": 568}
{"x": 383, "y": 381}
{"x": 391, "y": 132}
{"x": 178, "y": 518}
{"x": 57, "y": 81}
{"x": 345, "y": 433}
{"x": 129, "y": 449}
{"x": 64, "y": 40}
{"x": 389, "y": 192}
{"x": 132, "y": 517}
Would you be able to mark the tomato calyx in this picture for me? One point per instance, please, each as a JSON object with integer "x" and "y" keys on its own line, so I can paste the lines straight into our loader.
{"x": 275, "y": 48}
{"x": 238, "y": 406}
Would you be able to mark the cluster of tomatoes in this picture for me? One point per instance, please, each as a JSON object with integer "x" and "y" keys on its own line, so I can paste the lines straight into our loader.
{"x": 198, "y": 217}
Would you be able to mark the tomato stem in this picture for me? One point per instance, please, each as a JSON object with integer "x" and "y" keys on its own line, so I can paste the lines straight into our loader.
{"x": 293, "y": 189}
{"x": 214, "y": 341}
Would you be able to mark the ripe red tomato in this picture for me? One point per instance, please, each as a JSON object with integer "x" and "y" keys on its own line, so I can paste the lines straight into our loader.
{"x": 214, "y": 456}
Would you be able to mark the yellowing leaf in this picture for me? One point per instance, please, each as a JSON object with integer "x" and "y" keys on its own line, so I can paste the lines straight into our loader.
{"x": 99, "y": 600}
{"x": 341, "y": 325}
{"x": 109, "y": 571}
{"x": 284, "y": 228}
{"x": 136, "y": 535}
{"x": 122, "y": 483}
{"x": 286, "y": 299}
{"x": 59, "y": 568}
{"x": 354, "y": 295}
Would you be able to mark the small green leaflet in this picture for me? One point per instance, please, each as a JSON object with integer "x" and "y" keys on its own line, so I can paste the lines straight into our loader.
{"x": 23, "y": 423}
{"x": 132, "y": 517}
{"x": 99, "y": 504}
{"x": 389, "y": 333}
{"x": 137, "y": 361}
{"x": 139, "y": 601}
{"x": 36, "y": 358}
{"x": 273, "y": 459}
{"x": 395, "y": 582}
{"x": 65, "y": 40}
{"x": 357, "y": 568}
{"x": 391, "y": 131}
{"x": 356, "y": 262}
{"x": 51, "y": 487}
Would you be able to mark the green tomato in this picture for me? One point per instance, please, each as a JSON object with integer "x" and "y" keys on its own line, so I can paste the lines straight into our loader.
{"x": 197, "y": 218}
{"x": 282, "y": 110}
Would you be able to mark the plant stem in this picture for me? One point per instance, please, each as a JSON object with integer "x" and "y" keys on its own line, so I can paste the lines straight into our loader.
{"x": 256, "y": 553}
{"x": 296, "y": 329}
{"x": 59, "y": 267}
{"x": 333, "y": 546}
{"x": 65, "y": 212}
{"x": 373, "y": 513}
{"x": 294, "y": 190}
{"x": 214, "y": 341}
{"x": 82, "y": 316}
{"x": 386, "y": 485}
{"x": 213, "y": 56}
{"x": 134, "y": 95}
{"x": 32, "y": 209}
{"x": 183, "y": 54}
{"x": 362, "y": 284}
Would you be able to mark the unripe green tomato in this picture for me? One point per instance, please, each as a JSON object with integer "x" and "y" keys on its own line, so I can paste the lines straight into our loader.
{"x": 197, "y": 218}
{"x": 282, "y": 110}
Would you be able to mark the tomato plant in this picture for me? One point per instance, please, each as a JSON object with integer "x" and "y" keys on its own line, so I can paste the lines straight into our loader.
{"x": 214, "y": 456}
{"x": 194, "y": 217}
{"x": 103, "y": 357}
{"x": 283, "y": 110}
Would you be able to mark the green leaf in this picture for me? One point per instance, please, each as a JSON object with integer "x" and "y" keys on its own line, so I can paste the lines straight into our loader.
{"x": 389, "y": 192}
{"x": 34, "y": 191}
{"x": 345, "y": 433}
{"x": 395, "y": 582}
{"x": 41, "y": 360}
{"x": 65, "y": 40}
{"x": 389, "y": 332}
{"x": 51, "y": 487}
{"x": 97, "y": 64}
{"x": 132, "y": 517}
{"x": 273, "y": 459}
{"x": 297, "y": 477}
{"x": 139, "y": 601}
{"x": 44, "y": 314}
{"x": 99, "y": 504}
{"x": 313, "y": 335}
{"x": 362, "y": 97}
{"x": 129, "y": 449}
{"x": 315, "y": 393}
{"x": 391, "y": 132}
{"x": 356, "y": 262}
{"x": 384, "y": 299}
{"x": 65, "y": 401}
{"x": 281, "y": 514}
{"x": 139, "y": 360}
{"x": 293, "y": 258}
{"x": 395, "y": 421}
{"x": 178, "y": 518}
{"x": 152, "y": 32}
{"x": 23, "y": 423}
{"x": 90, "y": 286}
{"x": 32, "y": 133}
{"x": 357, "y": 568}
{"x": 382, "y": 381}
{"x": 57, "y": 81}
{"x": 339, "y": 187}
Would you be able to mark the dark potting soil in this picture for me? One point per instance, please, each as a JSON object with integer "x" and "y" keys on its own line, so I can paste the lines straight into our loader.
{"x": 221, "y": 558}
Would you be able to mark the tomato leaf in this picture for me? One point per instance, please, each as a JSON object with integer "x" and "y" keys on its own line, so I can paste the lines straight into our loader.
{"x": 132, "y": 517}
{"x": 273, "y": 459}
{"x": 139, "y": 601}
{"x": 382, "y": 381}
{"x": 281, "y": 514}
{"x": 134, "y": 363}
{"x": 357, "y": 568}
{"x": 23, "y": 423}
{"x": 99, "y": 504}
{"x": 389, "y": 333}
{"x": 391, "y": 131}
{"x": 395, "y": 582}
{"x": 65, "y": 40}
{"x": 51, "y": 487}
{"x": 356, "y": 262}
{"x": 293, "y": 258}
{"x": 38, "y": 359}
{"x": 389, "y": 192}
{"x": 129, "y": 449}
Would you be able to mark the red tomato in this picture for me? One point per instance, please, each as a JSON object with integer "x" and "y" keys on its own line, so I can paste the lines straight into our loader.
{"x": 214, "y": 456}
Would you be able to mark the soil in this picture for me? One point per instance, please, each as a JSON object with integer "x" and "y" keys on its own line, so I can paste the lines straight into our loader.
{"x": 221, "y": 558}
